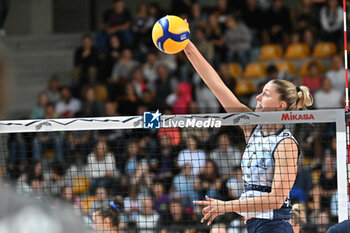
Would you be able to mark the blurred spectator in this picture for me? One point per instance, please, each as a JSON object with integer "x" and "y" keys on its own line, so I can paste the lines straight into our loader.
{"x": 278, "y": 23}
{"x": 50, "y": 144}
{"x": 161, "y": 201}
{"x": 252, "y": 16}
{"x": 55, "y": 182}
{"x": 148, "y": 219}
{"x": 198, "y": 18}
{"x": 184, "y": 185}
{"x": 313, "y": 80}
{"x": 214, "y": 33}
{"x": 150, "y": 69}
{"x": 164, "y": 84}
{"x": 132, "y": 151}
{"x": 17, "y": 153}
{"x": 125, "y": 65}
{"x": 238, "y": 40}
{"x": 85, "y": 62}
{"x": 192, "y": 155}
{"x": 234, "y": 184}
{"x": 53, "y": 90}
{"x": 110, "y": 58}
{"x": 226, "y": 156}
{"x": 68, "y": 106}
{"x": 226, "y": 77}
{"x": 132, "y": 205}
{"x": 91, "y": 106}
{"x": 221, "y": 11}
{"x": 209, "y": 182}
{"x": 101, "y": 167}
{"x": 328, "y": 180}
{"x": 183, "y": 98}
{"x": 108, "y": 218}
{"x": 116, "y": 21}
{"x": 66, "y": 194}
{"x": 129, "y": 102}
{"x": 322, "y": 222}
{"x": 179, "y": 220}
{"x": 165, "y": 161}
{"x": 138, "y": 81}
{"x": 337, "y": 73}
{"x": 203, "y": 45}
{"x": 273, "y": 73}
{"x": 309, "y": 37}
{"x": 39, "y": 111}
{"x": 142, "y": 27}
{"x": 79, "y": 144}
{"x": 327, "y": 97}
{"x": 205, "y": 98}
{"x": 331, "y": 17}
{"x": 305, "y": 15}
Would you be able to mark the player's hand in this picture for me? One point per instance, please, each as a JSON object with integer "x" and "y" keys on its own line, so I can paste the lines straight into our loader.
{"x": 212, "y": 209}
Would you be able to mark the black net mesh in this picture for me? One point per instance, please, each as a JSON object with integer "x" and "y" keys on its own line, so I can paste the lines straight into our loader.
{"x": 146, "y": 180}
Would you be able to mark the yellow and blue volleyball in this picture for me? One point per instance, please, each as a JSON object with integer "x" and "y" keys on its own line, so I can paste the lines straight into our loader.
{"x": 170, "y": 34}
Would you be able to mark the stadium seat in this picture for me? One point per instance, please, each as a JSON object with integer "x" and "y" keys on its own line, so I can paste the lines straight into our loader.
{"x": 324, "y": 50}
{"x": 101, "y": 92}
{"x": 303, "y": 70}
{"x": 255, "y": 70}
{"x": 270, "y": 52}
{"x": 80, "y": 185}
{"x": 235, "y": 70}
{"x": 244, "y": 87}
{"x": 86, "y": 204}
{"x": 286, "y": 66}
{"x": 297, "y": 51}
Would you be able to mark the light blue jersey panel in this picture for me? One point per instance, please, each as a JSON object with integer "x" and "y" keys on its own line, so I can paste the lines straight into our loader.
{"x": 258, "y": 167}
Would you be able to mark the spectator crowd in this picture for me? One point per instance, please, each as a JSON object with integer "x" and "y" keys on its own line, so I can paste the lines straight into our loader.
{"x": 152, "y": 177}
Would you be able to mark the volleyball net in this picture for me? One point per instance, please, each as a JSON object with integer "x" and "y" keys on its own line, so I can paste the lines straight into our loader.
{"x": 149, "y": 169}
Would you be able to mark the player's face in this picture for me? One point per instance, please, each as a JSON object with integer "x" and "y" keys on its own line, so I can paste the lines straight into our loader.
{"x": 269, "y": 100}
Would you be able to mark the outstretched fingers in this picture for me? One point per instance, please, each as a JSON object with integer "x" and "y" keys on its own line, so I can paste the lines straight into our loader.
{"x": 205, "y": 203}
{"x": 206, "y": 216}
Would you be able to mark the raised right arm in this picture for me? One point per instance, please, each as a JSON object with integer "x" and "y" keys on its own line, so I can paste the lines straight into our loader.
{"x": 228, "y": 100}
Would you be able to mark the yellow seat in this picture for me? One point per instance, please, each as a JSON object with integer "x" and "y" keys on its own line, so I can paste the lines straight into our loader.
{"x": 235, "y": 70}
{"x": 304, "y": 67}
{"x": 101, "y": 92}
{"x": 80, "y": 185}
{"x": 270, "y": 52}
{"x": 286, "y": 66}
{"x": 324, "y": 50}
{"x": 255, "y": 70}
{"x": 244, "y": 87}
{"x": 86, "y": 204}
{"x": 48, "y": 154}
{"x": 297, "y": 51}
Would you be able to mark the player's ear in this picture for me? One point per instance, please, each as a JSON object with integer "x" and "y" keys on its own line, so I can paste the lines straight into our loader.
{"x": 283, "y": 105}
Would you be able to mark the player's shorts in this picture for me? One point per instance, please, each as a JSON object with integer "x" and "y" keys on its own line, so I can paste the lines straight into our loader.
{"x": 257, "y": 225}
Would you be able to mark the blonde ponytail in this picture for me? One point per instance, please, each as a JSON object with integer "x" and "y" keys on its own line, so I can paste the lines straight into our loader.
{"x": 304, "y": 98}
{"x": 296, "y": 98}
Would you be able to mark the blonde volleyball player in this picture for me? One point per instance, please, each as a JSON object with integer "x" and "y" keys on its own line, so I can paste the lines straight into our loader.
{"x": 269, "y": 163}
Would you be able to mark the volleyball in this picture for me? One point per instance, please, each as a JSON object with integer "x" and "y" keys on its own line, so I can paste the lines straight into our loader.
{"x": 170, "y": 34}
